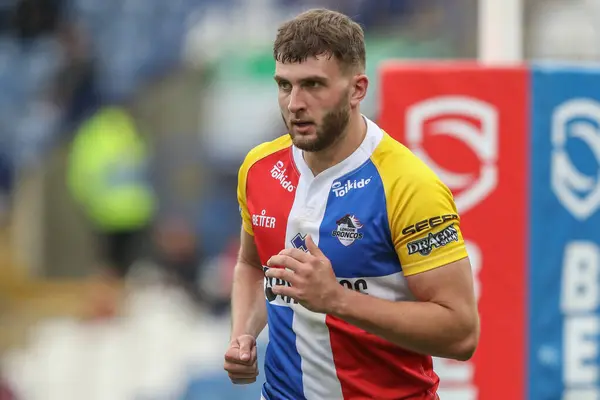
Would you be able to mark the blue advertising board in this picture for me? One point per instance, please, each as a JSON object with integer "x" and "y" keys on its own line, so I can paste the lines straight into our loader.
{"x": 564, "y": 259}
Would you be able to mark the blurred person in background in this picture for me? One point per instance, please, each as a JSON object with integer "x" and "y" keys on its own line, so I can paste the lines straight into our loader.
{"x": 335, "y": 329}
{"x": 177, "y": 173}
{"x": 6, "y": 184}
{"x": 178, "y": 252}
{"x": 216, "y": 277}
{"x": 35, "y": 18}
{"x": 75, "y": 88}
{"x": 108, "y": 177}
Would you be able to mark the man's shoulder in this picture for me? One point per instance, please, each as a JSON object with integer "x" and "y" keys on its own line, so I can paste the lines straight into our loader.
{"x": 266, "y": 149}
{"x": 399, "y": 166}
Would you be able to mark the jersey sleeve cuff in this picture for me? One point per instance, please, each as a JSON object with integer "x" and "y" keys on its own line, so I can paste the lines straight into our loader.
{"x": 448, "y": 257}
{"x": 248, "y": 229}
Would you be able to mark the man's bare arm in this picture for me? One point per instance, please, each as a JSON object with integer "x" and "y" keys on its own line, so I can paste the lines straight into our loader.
{"x": 249, "y": 312}
{"x": 443, "y": 322}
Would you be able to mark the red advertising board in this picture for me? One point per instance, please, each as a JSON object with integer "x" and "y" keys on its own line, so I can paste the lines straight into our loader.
{"x": 469, "y": 123}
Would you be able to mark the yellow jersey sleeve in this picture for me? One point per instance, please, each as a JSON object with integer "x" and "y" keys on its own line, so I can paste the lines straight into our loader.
{"x": 241, "y": 196}
{"x": 256, "y": 154}
{"x": 424, "y": 222}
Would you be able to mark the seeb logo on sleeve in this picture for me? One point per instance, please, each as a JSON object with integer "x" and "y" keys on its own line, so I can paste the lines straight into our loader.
{"x": 578, "y": 192}
{"x": 474, "y": 123}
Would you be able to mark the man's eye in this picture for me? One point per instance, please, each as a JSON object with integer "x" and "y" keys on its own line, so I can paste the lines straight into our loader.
{"x": 285, "y": 86}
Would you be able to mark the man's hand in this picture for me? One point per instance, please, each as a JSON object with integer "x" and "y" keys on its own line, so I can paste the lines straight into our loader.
{"x": 241, "y": 360}
{"x": 313, "y": 282}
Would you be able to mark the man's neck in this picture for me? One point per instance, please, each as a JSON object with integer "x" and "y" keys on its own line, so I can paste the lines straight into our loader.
{"x": 351, "y": 140}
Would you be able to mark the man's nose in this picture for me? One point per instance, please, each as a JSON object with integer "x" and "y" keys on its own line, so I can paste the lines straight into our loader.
{"x": 296, "y": 102}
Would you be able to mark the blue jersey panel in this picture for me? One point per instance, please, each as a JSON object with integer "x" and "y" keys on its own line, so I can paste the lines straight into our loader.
{"x": 355, "y": 233}
{"x": 283, "y": 370}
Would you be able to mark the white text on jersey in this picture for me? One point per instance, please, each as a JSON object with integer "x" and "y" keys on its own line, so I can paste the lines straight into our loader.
{"x": 263, "y": 220}
{"x": 278, "y": 173}
{"x": 341, "y": 191}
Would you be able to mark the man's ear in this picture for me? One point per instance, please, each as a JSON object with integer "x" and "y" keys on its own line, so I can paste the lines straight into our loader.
{"x": 360, "y": 84}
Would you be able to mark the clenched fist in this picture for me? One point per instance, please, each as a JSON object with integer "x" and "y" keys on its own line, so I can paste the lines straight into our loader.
{"x": 241, "y": 360}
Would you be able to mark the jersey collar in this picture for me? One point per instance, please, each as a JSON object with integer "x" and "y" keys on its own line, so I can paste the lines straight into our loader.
{"x": 355, "y": 160}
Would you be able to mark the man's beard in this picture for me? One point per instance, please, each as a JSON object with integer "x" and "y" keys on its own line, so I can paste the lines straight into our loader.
{"x": 331, "y": 130}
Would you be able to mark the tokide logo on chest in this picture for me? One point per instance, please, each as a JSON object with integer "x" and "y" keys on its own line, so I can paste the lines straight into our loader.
{"x": 279, "y": 173}
{"x": 341, "y": 189}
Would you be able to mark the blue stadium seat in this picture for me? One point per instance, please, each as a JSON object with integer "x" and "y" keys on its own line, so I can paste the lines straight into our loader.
{"x": 39, "y": 63}
{"x": 12, "y": 90}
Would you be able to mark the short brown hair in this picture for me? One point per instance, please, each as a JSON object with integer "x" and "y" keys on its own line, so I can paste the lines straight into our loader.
{"x": 319, "y": 32}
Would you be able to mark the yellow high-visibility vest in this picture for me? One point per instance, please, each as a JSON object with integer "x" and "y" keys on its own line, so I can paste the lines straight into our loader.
{"x": 107, "y": 172}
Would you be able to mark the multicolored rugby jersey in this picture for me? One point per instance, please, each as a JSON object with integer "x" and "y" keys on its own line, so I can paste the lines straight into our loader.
{"x": 379, "y": 216}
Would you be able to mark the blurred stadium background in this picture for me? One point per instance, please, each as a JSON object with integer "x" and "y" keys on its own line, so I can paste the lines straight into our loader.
{"x": 188, "y": 83}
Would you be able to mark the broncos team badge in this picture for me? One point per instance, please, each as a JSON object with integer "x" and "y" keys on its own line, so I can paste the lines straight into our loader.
{"x": 347, "y": 231}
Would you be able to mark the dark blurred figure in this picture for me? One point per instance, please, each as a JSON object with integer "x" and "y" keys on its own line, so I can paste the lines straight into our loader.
{"x": 6, "y": 16}
{"x": 178, "y": 178}
{"x": 178, "y": 251}
{"x": 6, "y": 184}
{"x": 75, "y": 88}
{"x": 35, "y": 18}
